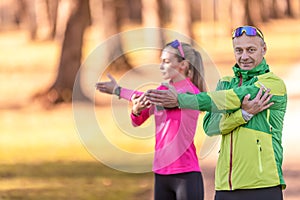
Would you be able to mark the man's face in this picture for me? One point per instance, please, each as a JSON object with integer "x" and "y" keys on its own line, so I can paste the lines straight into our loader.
{"x": 248, "y": 51}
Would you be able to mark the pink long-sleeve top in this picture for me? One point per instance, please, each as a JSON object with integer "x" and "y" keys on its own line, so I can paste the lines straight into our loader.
{"x": 175, "y": 129}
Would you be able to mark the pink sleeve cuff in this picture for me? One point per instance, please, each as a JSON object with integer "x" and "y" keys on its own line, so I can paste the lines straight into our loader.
{"x": 127, "y": 93}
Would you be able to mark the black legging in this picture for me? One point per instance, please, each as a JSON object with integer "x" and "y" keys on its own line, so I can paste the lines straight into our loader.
{"x": 184, "y": 186}
{"x": 270, "y": 193}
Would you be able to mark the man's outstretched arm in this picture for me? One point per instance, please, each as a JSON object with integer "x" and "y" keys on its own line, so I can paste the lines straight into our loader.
{"x": 218, "y": 101}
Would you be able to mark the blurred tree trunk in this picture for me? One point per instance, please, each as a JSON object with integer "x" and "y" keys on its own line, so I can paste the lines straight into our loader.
{"x": 266, "y": 10}
{"x": 238, "y": 13}
{"x": 97, "y": 19}
{"x": 150, "y": 13}
{"x": 293, "y": 8}
{"x": 181, "y": 17}
{"x": 207, "y": 11}
{"x": 210, "y": 12}
{"x": 11, "y": 13}
{"x": 70, "y": 61}
{"x": 64, "y": 12}
{"x": 30, "y": 7}
{"x": 112, "y": 15}
{"x": 278, "y": 9}
{"x": 131, "y": 11}
{"x": 254, "y": 11}
{"x": 223, "y": 17}
{"x": 151, "y": 18}
{"x": 52, "y": 10}
{"x": 40, "y": 17}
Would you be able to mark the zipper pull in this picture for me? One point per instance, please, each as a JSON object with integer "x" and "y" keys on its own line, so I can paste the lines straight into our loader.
{"x": 241, "y": 79}
{"x": 258, "y": 143}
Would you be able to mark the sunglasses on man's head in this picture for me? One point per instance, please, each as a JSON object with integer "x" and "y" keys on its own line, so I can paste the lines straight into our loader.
{"x": 177, "y": 45}
{"x": 248, "y": 30}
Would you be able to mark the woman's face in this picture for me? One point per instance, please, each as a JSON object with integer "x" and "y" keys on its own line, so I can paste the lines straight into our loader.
{"x": 170, "y": 67}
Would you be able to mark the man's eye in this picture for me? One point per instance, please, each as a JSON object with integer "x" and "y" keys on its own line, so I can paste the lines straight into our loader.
{"x": 252, "y": 50}
{"x": 238, "y": 51}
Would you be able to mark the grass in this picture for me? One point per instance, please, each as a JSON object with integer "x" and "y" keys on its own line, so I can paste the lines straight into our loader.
{"x": 42, "y": 157}
{"x": 71, "y": 180}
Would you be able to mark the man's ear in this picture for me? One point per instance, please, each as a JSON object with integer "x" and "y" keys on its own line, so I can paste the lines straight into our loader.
{"x": 264, "y": 49}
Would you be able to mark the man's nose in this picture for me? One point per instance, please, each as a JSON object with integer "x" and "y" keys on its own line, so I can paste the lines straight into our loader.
{"x": 245, "y": 55}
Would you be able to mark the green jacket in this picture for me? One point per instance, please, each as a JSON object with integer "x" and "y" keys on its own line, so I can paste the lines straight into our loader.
{"x": 251, "y": 152}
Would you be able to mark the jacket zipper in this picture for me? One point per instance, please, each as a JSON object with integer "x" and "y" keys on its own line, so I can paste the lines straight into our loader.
{"x": 268, "y": 120}
{"x": 259, "y": 155}
{"x": 241, "y": 79}
{"x": 230, "y": 161}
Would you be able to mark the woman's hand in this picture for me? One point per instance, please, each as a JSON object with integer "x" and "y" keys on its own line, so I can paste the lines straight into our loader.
{"x": 139, "y": 104}
{"x": 107, "y": 87}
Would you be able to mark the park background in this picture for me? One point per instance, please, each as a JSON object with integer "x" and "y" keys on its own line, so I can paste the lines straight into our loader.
{"x": 42, "y": 46}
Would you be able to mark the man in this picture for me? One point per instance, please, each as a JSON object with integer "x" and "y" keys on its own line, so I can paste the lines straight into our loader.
{"x": 250, "y": 160}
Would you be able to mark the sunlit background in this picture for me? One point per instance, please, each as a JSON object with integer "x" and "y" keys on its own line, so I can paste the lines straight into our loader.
{"x": 43, "y": 44}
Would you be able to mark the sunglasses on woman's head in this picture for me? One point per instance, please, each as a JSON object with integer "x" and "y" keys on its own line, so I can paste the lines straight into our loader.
{"x": 248, "y": 30}
{"x": 177, "y": 45}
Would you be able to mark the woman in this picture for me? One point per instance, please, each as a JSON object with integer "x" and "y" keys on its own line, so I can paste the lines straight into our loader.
{"x": 176, "y": 168}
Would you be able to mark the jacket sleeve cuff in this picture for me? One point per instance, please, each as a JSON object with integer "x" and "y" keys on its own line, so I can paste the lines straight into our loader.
{"x": 127, "y": 93}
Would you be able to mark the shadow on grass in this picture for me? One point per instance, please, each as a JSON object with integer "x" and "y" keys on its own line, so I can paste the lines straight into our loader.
{"x": 92, "y": 180}
{"x": 72, "y": 180}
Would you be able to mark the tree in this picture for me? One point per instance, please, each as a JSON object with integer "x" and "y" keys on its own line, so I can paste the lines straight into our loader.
{"x": 30, "y": 7}
{"x": 52, "y": 9}
{"x": 112, "y": 13}
{"x": 253, "y": 12}
{"x": 151, "y": 17}
{"x": 293, "y": 8}
{"x": 70, "y": 61}
{"x": 181, "y": 17}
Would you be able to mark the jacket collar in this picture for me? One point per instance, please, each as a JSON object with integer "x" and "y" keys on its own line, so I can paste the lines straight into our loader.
{"x": 262, "y": 68}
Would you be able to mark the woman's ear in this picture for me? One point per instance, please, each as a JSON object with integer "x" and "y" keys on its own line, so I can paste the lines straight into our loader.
{"x": 184, "y": 65}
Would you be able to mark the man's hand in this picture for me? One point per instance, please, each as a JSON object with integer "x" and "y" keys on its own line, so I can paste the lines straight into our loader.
{"x": 107, "y": 87}
{"x": 165, "y": 98}
{"x": 259, "y": 103}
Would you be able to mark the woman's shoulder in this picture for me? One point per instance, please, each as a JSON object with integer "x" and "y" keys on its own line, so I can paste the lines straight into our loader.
{"x": 186, "y": 86}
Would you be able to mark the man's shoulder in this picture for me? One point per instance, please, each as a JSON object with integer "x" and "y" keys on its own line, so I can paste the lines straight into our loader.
{"x": 270, "y": 76}
{"x": 274, "y": 82}
{"x": 225, "y": 83}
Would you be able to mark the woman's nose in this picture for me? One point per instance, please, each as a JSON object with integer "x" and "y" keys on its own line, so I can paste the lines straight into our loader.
{"x": 161, "y": 66}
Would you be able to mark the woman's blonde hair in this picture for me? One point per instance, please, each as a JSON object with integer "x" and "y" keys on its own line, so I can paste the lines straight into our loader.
{"x": 196, "y": 69}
